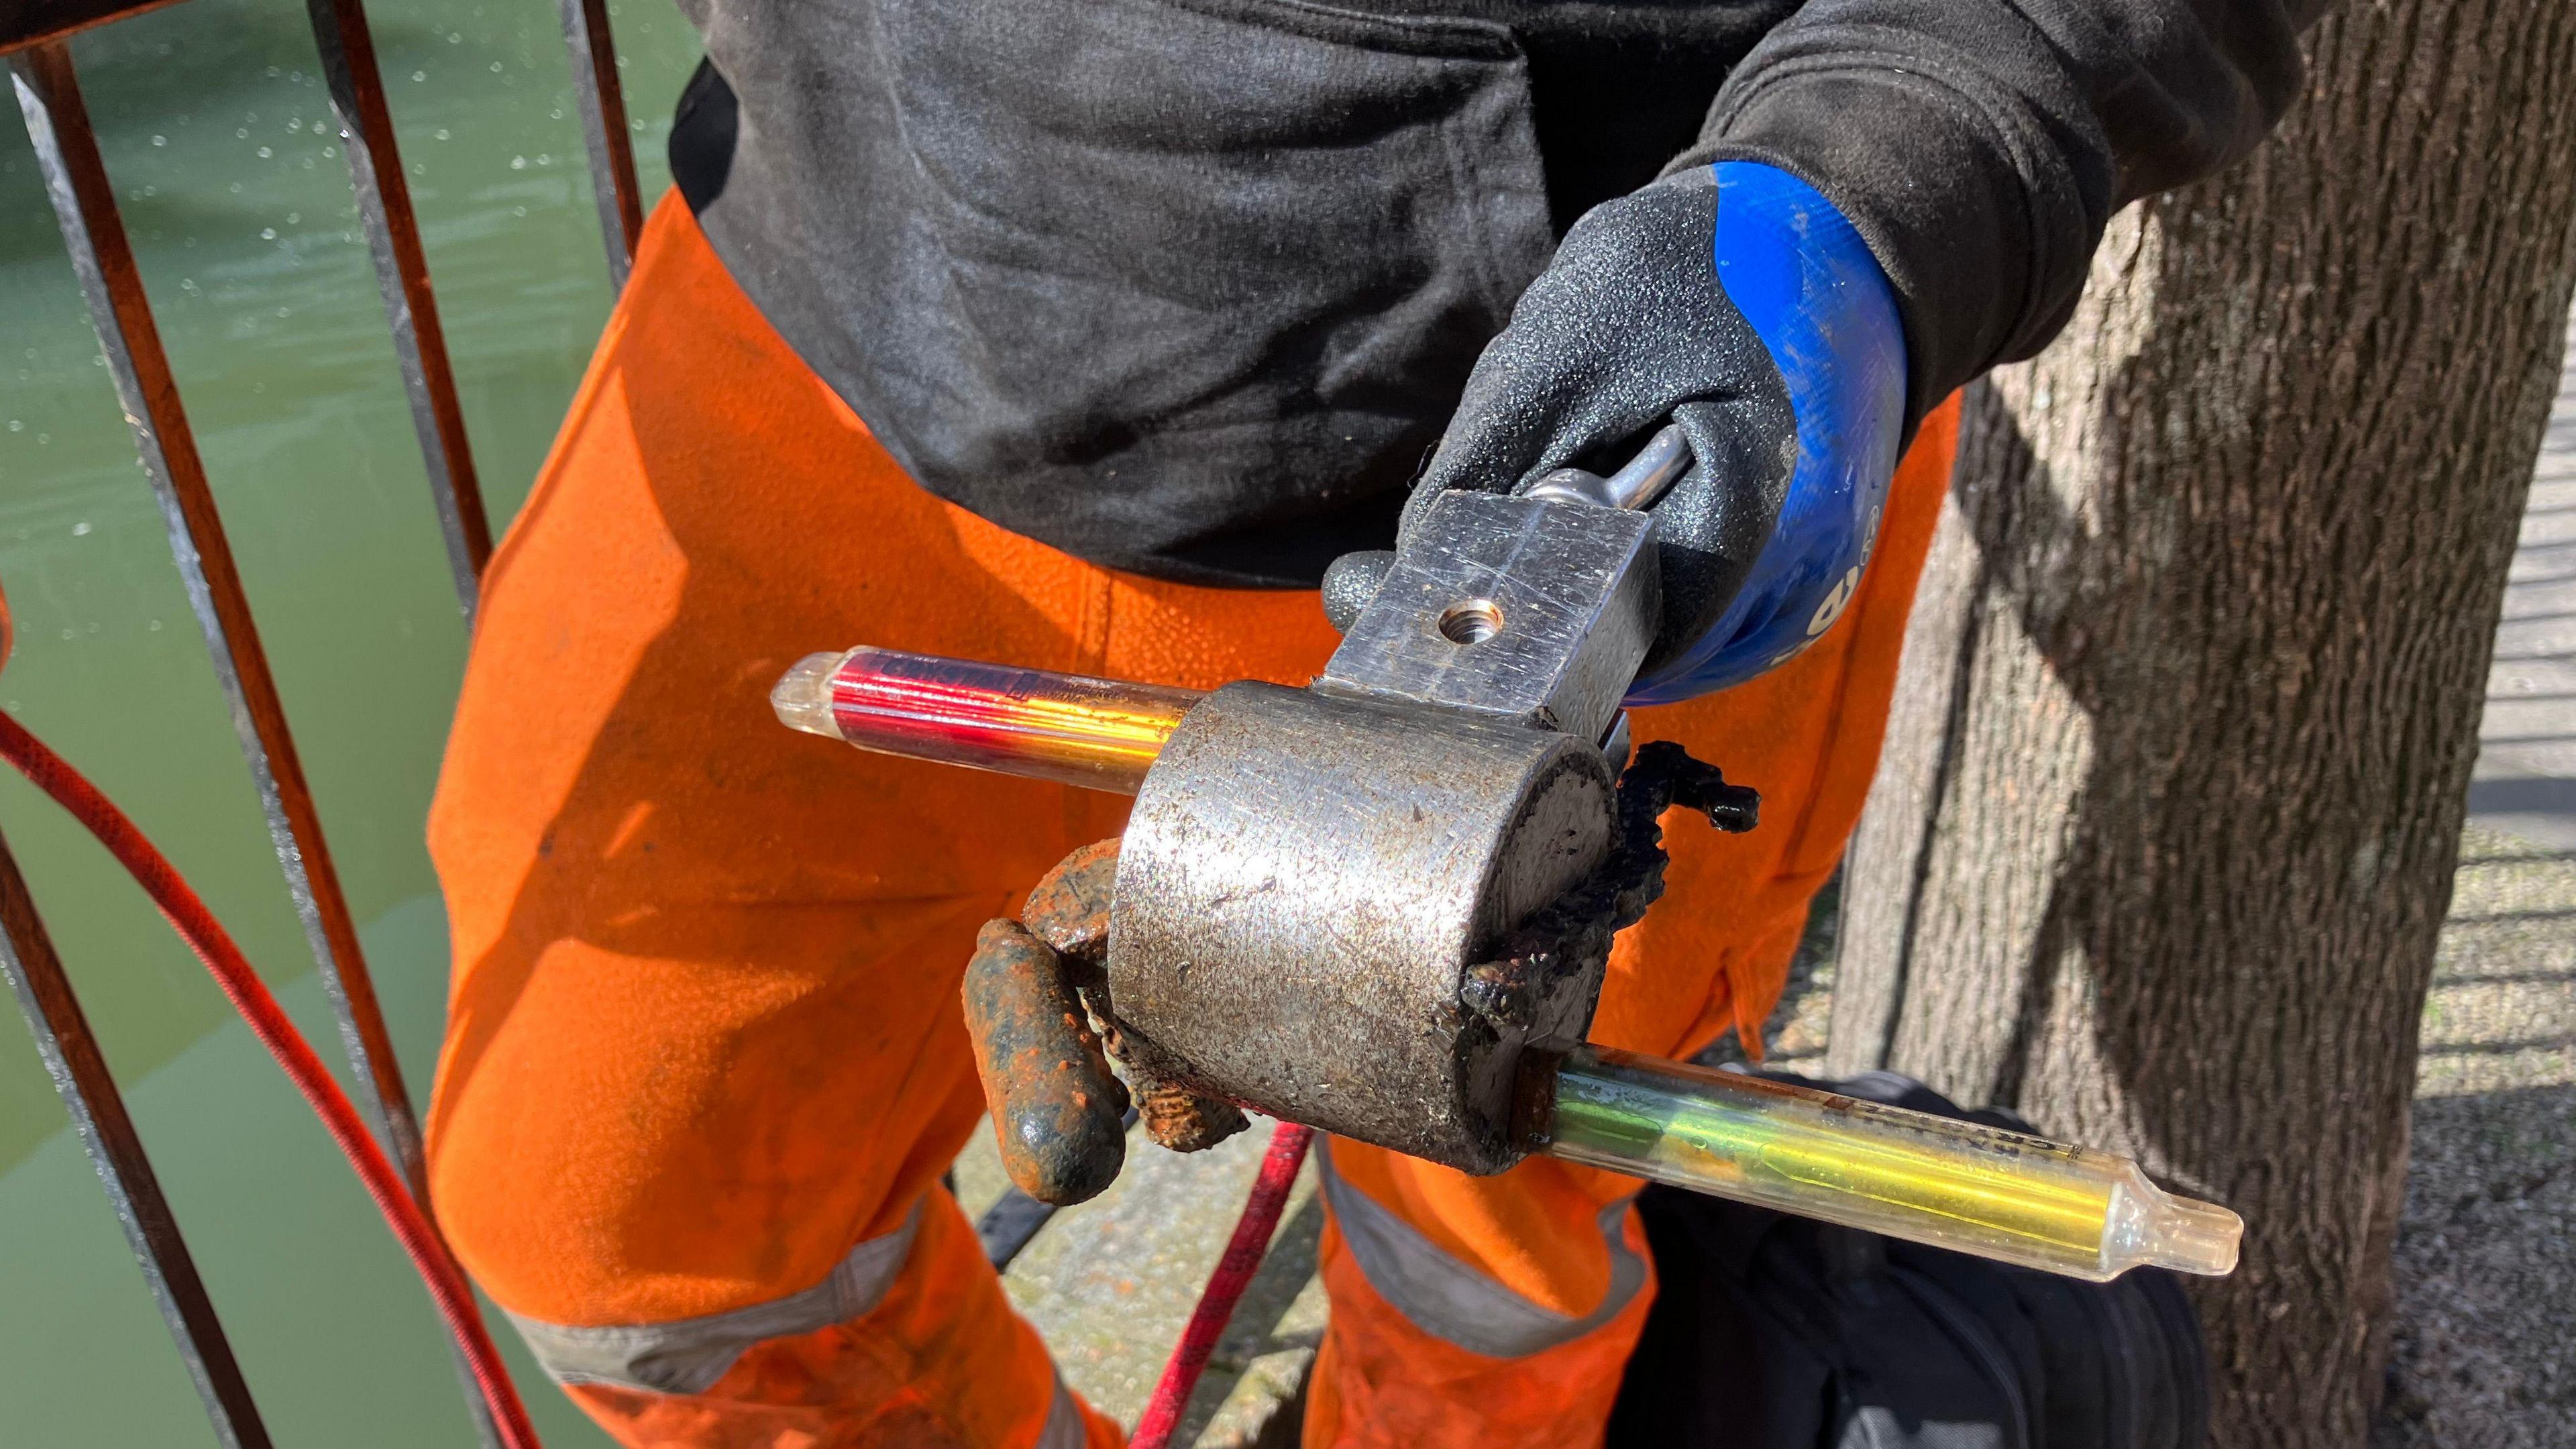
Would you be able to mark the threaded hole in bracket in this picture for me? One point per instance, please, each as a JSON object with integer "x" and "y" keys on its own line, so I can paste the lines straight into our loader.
{"x": 1472, "y": 622}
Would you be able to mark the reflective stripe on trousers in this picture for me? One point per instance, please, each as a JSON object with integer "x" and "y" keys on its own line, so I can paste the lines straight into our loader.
{"x": 1454, "y": 1302}
{"x": 688, "y": 1355}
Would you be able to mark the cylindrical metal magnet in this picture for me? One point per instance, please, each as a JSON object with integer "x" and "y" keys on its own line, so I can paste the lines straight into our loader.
{"x": 1305, "y": 880}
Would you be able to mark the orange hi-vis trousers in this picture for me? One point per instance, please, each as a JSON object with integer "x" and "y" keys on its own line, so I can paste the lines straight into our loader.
{"x": 705, "y": 1063}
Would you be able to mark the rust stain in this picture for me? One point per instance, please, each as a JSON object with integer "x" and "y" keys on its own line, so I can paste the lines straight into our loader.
{"x": 1182, "y": 1120}
{"x": 1057, "y": 1111}
{"x": 1069, "y": 907}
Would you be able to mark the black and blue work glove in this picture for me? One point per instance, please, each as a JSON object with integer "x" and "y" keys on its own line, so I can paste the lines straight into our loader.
{"x": 1734, "y": 301}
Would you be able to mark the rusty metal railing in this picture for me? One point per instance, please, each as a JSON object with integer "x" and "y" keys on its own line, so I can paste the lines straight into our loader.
{"x": 32, "y": 36}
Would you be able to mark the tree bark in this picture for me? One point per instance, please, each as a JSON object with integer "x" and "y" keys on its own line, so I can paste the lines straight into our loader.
{"x": 2171, "y": 797}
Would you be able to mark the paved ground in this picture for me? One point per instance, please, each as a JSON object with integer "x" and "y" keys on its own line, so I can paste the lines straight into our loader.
{"x": 2526, "y": 778}
{"x": 1110, "y": 1284}
{"x": 2486, "y": 1257}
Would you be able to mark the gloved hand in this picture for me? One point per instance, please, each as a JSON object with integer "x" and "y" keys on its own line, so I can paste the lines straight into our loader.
{"x": 1735, "y": 301}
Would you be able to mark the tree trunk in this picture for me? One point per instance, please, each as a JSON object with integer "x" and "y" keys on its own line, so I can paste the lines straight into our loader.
{"x": 2170, "y": 802}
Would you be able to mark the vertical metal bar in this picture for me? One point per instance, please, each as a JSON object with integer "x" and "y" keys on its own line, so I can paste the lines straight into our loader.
{"x": 85, "y": 205}
{"x": 76, "y": 180}
{"x": 402, "y": 275}
{"x": 79, "y": 1070}
{"x": 603, "y": 131}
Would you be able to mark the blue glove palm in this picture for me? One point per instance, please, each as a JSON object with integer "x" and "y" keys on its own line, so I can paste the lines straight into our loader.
{"x": 1738, "y": 303}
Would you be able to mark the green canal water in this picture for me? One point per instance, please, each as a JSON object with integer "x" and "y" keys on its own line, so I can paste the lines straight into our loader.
{"x": 218, "y": 136}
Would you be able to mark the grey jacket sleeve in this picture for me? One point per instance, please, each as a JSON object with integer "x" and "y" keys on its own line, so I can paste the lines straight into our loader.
{"x": 1980, "y": 146}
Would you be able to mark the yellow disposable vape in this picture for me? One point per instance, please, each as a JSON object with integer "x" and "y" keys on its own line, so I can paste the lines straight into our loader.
{"x": 1909, "y": 1175}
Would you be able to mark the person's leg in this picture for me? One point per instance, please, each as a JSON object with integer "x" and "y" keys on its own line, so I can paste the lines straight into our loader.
{"x": 1490, "y": 1313}
{"x": 704, "y": 1063}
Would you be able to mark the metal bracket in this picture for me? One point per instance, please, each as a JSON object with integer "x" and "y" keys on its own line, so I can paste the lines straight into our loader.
{"x": 1513, "y": 608}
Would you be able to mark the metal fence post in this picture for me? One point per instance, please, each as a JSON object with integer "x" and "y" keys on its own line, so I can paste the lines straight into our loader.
{"x": 76, "y": 180}
{"x": 80, "y": 1074}
{"x": 603, "y": 132}
{"x": 402, "y": 275}
{"x": 85, "y": 205}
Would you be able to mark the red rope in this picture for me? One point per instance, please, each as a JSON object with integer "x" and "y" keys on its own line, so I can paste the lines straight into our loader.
{"x": 250, "y": 996}
{"x": 1225, "y": 1287}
